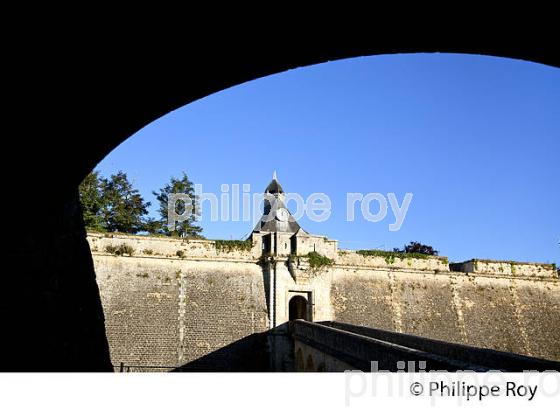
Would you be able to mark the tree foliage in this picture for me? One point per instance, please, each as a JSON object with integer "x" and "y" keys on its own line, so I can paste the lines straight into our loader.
{"x": 112, "y": 204}
{"x": 124, "y": 208}
{"x": 417, "y": 247}
{"x": 187, "y": 228}
{"x": 91, "y": 198}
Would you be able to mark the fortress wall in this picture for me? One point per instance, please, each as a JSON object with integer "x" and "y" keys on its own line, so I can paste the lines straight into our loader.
{"x": 223, "y": 303}
{"x": 489, "y": 311}
{"x": 322, "y": 245}
{"x": 207, "y": 308}
{"x": 508, "y": 268}
{"x": 169, "y": 247}
{"x": 511, "y": 314}
{"x": 352, "y": 258}
{"x": 140, "y": 301}
{"x": 171, "y": 312}
{"x": 539, "y": 306}
{"x": 426, "y": 303}
{"x": 363, "y": 298}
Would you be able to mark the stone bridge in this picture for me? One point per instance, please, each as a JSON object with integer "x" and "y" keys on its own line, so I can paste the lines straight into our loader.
{"x": 335, "y": 346}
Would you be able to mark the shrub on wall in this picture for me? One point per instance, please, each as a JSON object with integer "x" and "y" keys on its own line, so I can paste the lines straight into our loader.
{"x": 390, "y": 256}
{"x": 120, "y": 250}
{"x": 223, "y": 245}
{"x": 318, "y": 261}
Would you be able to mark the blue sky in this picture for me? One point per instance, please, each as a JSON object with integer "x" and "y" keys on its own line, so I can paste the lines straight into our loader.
{"x": 475, "y": 139}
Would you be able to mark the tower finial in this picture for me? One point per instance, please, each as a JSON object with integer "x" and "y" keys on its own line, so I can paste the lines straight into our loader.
{"x": 274, "y": 175}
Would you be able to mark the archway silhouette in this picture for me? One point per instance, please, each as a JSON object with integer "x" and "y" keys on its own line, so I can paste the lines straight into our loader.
{"x": 99, "y": 106}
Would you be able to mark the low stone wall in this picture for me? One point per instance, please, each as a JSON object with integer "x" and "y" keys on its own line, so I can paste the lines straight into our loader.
{"x": 170, "y": 247}
{"x": 507, "y": 268}
{"x": 327, "y": 345}
{"x": 392, "y": 261}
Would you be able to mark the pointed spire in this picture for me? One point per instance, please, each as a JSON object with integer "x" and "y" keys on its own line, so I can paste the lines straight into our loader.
{"x": 276, "y": 217}
{"x": 274, "y": 186}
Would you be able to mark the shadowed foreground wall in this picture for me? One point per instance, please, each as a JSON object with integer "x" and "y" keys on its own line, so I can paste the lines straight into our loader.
{"x": 52, "y": 314}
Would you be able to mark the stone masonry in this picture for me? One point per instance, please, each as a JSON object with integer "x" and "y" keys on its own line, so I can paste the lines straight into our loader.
{"x": 206, "y": 305}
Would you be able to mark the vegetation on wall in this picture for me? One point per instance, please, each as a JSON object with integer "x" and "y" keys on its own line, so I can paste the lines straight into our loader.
{"x": 414, "y": 250}
{"x": 417, "y": 248}
{"x": 223, "y": 245}
{"x": 512, "y": 263}
{"x": 120, "y": 250}
{"x": 391, "y": 256}
{"x": 318, "y": 261}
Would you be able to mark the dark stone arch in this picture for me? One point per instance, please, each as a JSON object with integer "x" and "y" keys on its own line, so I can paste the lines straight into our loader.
{"x": 70, "y": 109}
{"x": 298, "y": 308}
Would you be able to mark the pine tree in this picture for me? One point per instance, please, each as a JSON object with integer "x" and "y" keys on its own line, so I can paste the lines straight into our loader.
{"x": 124, "y": 206}
{"x": 92, "y": 201}
{"x": 188, "y": 228}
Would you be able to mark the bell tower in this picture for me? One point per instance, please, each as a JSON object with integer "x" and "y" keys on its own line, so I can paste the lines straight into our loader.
{"x": 277, "y": 226}
{"x": 276, "y": 216}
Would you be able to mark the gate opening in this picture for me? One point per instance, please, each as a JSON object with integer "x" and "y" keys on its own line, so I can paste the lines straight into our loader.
{"x": 298, "y": 308}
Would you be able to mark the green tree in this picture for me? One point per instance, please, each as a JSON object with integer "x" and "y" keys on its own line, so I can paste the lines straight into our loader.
{"x": 187, "y": 228}
{"x": 124, "y": 208}
{"x": 152, "y": 225}
{"x": 92, "y": 201}
{"x": 417, "y": 247}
